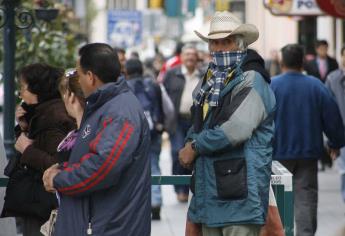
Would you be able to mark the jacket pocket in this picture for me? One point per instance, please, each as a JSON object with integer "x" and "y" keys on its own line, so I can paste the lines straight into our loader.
{"x": 231, "y": 178}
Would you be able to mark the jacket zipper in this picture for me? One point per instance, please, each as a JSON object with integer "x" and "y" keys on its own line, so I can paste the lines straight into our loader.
{"x": 89, "y": 227}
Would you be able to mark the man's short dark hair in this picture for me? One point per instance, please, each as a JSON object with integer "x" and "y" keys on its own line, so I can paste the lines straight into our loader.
{"x": 134, "y": 67}
{"x": 100, "y": 59}
{"x": 322, "y": 42}
{"x": 292, "y": 56}
{"x": 42, "y": 80}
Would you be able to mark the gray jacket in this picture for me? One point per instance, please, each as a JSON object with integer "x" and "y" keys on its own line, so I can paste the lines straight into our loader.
{"x": 336, "y": 84}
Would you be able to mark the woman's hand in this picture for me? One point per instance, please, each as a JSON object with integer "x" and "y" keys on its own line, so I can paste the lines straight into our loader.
{"x": 48, "y": 178}
{"x": 20, "y": 112}
{"x": 22, "y": 143}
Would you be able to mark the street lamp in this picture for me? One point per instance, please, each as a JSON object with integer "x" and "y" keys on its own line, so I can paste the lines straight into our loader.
{"x": 12, "y": 17}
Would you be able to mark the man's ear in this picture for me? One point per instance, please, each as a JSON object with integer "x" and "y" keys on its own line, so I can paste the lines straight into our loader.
{"x": 91, "y": 78}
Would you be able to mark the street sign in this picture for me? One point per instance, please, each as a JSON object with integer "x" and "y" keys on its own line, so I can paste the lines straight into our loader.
{"x": 124, "y": 28}
{"x": 293, "y": 7}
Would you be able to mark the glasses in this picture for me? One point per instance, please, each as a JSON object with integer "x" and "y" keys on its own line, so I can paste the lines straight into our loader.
{"x": 71, "y": 73}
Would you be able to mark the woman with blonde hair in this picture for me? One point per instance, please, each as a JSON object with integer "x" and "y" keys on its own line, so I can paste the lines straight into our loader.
{"x": 72, "y": 95}
{"x": 74, "y": 101}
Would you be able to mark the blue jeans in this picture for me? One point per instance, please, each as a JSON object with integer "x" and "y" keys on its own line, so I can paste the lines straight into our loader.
{"x": 177, "y": 142}
{"x": 154, "y": 152}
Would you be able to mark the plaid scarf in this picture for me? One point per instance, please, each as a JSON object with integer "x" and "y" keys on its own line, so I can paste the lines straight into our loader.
{"x": 217, "y": 72}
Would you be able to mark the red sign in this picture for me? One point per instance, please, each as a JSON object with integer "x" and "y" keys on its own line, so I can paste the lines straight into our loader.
{"x": 333, "y": 7}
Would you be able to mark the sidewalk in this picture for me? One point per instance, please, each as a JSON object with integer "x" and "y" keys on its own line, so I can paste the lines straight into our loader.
{"x": 331, "y": 211}
{"x": 173, "y": 213}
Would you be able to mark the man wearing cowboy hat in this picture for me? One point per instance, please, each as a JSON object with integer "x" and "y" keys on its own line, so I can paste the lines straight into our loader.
{"x": 230, "y": 143}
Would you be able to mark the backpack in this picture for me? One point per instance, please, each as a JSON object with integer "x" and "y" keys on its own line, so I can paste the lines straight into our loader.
{"x": 149, "y": 96}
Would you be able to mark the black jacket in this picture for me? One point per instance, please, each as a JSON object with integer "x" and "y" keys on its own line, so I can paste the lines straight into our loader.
{"x": 49, "y": 123}
{"x": 253, "y": 61}
{"x": 312, "y": 67}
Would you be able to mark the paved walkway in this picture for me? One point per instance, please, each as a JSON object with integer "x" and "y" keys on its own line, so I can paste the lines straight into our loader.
{"x": 331, "y": 214}
{"x": 331, "y": 211}
{"x": 173, "y": 213}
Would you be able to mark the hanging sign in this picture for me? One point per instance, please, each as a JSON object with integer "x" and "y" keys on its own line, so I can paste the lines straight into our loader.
{"x": 333, "y": 7}
{"x": 124, "y": 28}
{"x": 293, "y": 7}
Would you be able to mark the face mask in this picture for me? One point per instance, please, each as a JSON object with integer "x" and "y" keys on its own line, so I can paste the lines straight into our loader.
{"x": 228, "y": 58}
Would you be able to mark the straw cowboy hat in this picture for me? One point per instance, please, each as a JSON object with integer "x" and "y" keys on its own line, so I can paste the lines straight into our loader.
{"x": 224, "y": 24}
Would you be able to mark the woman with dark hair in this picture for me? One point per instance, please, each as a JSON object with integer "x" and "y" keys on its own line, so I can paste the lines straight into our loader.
{"x": 42, "y": 123}
{"x": 44, "y": 112}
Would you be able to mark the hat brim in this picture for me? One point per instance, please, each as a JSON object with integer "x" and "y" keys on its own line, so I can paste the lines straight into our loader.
{"x": 249, "y": 32}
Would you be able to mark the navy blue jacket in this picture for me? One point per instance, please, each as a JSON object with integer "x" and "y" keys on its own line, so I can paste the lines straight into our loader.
{"x": 107, "y": 179}
{"x": 305, "y": 109}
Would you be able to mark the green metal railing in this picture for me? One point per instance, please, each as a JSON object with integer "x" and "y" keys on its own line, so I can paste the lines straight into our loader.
{"x": 281, "y": 181}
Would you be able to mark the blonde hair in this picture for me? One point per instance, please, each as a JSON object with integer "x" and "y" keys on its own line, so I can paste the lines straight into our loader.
{"x": 70, "y": 84}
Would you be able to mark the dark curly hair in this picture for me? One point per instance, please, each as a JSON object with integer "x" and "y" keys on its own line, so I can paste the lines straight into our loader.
{"x": 42, "y": 80}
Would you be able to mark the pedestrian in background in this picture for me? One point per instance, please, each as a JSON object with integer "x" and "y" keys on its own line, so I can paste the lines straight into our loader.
{"x": 305, "y": 109}
{"x": 171, "y": 63}
{"x": 336, "y": 84}
{"x": 322, "y": 64}
{"x": 320, "y": 67}
{"x": 272, "y": 64}
{"x": 105, "y": 187}
{"x": 121, "y": 53}
{"x": 179, "y": 82}
{"x": 150, "y": 97}
{"x": 230, "y": 142}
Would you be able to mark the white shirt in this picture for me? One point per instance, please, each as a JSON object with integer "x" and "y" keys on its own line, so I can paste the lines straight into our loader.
{"x": 191, "y": 82}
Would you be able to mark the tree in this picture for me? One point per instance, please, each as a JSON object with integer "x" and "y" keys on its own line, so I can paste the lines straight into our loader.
{"x": 54, "y": 42}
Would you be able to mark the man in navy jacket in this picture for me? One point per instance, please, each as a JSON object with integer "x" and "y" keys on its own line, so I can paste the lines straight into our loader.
{"x": 305, "y": 110}
{"x": 104, "y": 188}
{"x": 323, "y": 64}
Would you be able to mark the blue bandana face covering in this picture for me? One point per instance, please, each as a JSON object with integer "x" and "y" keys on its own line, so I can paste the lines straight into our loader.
{"x": 223, "y": 63}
